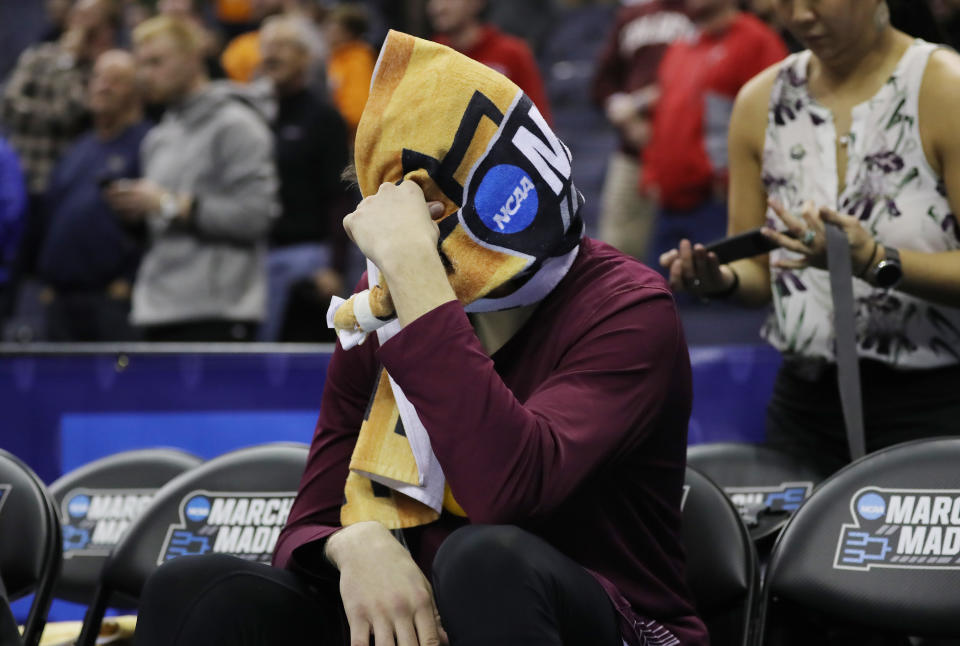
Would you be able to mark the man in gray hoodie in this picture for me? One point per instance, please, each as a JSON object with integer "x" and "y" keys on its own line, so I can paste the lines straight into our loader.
{"x": 208, "y": 197}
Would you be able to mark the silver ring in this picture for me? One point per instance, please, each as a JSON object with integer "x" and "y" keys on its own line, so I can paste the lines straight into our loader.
{"x": 808, "y": 237}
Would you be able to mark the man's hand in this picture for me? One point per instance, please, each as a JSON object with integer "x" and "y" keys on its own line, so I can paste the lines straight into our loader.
{"x": 329, "y": 282}
{"x": 73, "y": 41}
{"x": 135, "y": 199}
{"x": 636, "y": 131}
{"x": 82, "y": 21}
{"x": 619, "y": 108}
{"x": 384, "y": 592}
{"x": 397, "y": 230}
{"x": 395, "y": 223}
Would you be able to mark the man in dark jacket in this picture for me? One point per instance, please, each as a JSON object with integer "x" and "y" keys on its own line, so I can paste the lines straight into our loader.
{"x": 310, "y": 141}
{"x": 87, "y": 257}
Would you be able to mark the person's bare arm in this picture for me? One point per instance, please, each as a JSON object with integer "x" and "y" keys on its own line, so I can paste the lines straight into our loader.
{"x": 936, "y": 276}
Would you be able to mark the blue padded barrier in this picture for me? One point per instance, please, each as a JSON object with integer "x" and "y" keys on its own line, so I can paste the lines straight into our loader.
{"x": 63, "y": 407}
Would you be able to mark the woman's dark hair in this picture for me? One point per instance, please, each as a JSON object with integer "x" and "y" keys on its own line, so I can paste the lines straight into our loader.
{"x": 915, "y": 18}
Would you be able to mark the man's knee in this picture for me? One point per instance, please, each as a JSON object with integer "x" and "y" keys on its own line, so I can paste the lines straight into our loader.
{"x": 478, "y": 553}
{"x": 187, "y": 573}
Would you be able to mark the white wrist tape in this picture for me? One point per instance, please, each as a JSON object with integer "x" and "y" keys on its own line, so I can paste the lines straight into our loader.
{"x": 361, "y": 311}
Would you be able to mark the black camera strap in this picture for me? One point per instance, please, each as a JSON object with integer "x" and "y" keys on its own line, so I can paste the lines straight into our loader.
{"x": 844, "y": 321}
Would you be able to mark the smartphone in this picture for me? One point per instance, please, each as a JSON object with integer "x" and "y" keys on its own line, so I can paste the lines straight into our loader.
{"x": 743, "y": 245}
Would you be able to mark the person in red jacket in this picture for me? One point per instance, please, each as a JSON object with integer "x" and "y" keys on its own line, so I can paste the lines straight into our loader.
{"x": 625, "y": 88}
{"x": 459, "y": 25}
{"x": 685, "y": 162}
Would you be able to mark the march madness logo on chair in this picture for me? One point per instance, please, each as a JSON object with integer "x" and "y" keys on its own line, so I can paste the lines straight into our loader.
{"x": 245, "y": 525}
{"x": 901, "y": 528}
{"x": 94, "y": 520}
{"x": 786, "y": 497}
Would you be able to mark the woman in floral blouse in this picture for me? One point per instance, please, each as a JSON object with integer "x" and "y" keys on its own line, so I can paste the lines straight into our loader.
{"x": 857, "y": 131}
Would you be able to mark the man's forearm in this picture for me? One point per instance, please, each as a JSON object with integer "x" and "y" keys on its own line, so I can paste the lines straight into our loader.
{"x": 418, "y": 284}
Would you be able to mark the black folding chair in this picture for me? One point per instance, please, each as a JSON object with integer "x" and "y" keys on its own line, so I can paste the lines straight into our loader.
{"x": 722, "y": 570}
{"x": 98, "y": 501}
{"x": 765, "y": 485}
{"x": 876, "y": 549}
{"x": 29, "y": 548}
{"x": 235, "y": 504}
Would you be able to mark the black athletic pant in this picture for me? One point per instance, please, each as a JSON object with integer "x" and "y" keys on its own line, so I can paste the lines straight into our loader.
{"x": 805, "y": 417}
{"x": 493, "y": 585}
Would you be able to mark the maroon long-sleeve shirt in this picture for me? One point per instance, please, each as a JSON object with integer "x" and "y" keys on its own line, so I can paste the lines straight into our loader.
{"x": 575, "y": 430}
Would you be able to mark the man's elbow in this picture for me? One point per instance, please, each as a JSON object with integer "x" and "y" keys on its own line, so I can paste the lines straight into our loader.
{"x": 248, "y": 220}
{"x": 256, "y": 225}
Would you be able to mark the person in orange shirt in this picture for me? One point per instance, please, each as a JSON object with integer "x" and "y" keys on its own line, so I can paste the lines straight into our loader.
{"x": 241, "y": 58}
{"x": 351, "y": 62}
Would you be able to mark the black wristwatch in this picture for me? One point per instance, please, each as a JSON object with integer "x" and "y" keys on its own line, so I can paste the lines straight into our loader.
{"x": 888, "y": 273}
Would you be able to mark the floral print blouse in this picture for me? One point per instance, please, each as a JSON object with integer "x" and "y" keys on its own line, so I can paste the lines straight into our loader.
{"x": 890, "y": 186}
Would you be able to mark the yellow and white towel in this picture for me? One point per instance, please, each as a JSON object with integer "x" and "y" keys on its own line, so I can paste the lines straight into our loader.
{"x": 472, "y": 140}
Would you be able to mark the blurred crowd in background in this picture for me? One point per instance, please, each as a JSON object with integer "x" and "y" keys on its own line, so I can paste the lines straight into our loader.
{"x": 171, "y": 170}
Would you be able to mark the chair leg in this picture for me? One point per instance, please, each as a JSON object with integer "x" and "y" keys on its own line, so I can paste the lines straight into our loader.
{"x": 94, "y": 618}
{"x": 9, "y": 634}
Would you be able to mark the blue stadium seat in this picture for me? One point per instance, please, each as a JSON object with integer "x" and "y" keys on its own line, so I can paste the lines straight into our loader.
{"x": 876, "y": 548}
{"x": 234, "y": 504}
{"x": 98, "y": 501}
{"x": 29, "y": 549}
{"x": 722, "y": 570}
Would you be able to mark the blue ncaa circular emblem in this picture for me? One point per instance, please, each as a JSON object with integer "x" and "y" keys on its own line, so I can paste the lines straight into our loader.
{"x": 871, "y": 506}
{"x": 198, "y": 508}
{"x": 78, "y": 506}
{"x": 507, "y": 200}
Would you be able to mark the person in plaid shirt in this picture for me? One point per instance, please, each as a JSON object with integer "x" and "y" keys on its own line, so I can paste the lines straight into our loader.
{"x": 43, "y": 109}
{"x": 44, "y": 106}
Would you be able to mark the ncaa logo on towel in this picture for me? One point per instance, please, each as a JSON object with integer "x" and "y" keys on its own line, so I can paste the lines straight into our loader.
{"x": 94, "y": 520}
{"x": 901, "y": 528}
{"x": 246, "y": 525}
{"x": 507, "y": 200}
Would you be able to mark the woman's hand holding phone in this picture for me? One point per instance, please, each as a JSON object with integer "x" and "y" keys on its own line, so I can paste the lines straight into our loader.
{"x": 696, "y": 270}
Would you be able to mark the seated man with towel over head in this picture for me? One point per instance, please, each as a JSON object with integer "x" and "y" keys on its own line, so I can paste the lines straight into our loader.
{"x": 500, "y": 452}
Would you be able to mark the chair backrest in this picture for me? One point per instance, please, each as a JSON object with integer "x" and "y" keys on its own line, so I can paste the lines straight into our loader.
{"x": 98, "y": 501}
{"x": 722, "y": 570}
{"x": 236, "y": 503}
{"x": 877, "y": 545}
{"x": 765, "y": 485}
{"x": 29, "y": 541}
